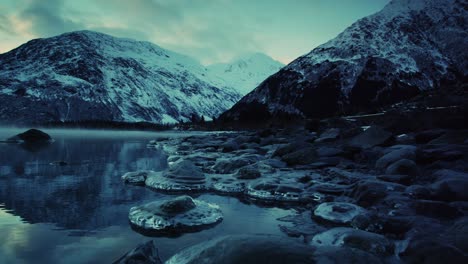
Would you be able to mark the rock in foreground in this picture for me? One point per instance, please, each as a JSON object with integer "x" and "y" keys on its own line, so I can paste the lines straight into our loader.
{"x": 145, "y": 253}
{"x": 250, "y": 249}
{"x": 181, "y": 214}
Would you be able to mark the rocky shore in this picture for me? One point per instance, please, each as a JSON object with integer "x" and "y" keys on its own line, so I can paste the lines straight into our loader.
{"x": 364, "y": 192}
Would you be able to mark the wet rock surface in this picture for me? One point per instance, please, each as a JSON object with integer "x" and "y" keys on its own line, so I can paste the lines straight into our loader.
{"x": 181, "y": 214}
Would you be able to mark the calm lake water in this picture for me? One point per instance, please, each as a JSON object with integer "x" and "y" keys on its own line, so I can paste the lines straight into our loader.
{"x": 78, "y": 213}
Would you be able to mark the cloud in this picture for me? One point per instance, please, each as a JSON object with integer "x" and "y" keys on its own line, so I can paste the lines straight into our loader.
{"x": 47, "y": 18}
{"x": 208, "y": 30}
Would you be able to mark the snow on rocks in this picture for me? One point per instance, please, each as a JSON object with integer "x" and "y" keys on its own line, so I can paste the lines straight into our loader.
{"x": 338, "y": 212}
{"x": 175, "y": 215}
{"x": 182, "y": 175}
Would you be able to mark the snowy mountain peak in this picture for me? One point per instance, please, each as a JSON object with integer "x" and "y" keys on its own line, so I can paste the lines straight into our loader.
{"x": 87, "y": 75}
{"x": 247, "y": 71}
{"x": 409, "y": 46}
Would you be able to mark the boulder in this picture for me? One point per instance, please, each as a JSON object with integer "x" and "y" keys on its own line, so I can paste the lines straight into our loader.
{"x": 432, "y": 252}
{"x": 227, "y": 166}
{"x": 182, "y": 175}
{"x": 450, "y": 186}
{"x": 403, "y": 167}
{"x": 355, "y": 238}
{"x": 248, "y": 173}
{"x": 396, "y": 153}
{"x": 178, "y": 215}
{"x": 435, "y": 209}
{"x": 338, "y": 212}
{"x": 31, "y": 136}
{"x": 137, "y": 177}
{"x": 329, "y": 135}
{"x": 302, "y": 156}
{"x": 253, "y": 249}
{"x": 373, "y": 136}
{"x": 145, "y": 253}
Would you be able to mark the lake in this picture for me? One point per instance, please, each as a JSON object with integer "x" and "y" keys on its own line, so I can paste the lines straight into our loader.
{"x": 78, "y": 213}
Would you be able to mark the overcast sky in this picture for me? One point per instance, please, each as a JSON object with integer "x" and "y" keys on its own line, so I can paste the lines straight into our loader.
{"x": 209, "y": 30}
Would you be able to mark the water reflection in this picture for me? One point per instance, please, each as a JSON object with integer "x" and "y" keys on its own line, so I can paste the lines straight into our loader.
{"x": 78, "y": 213}
{"x": 86, "y": 193}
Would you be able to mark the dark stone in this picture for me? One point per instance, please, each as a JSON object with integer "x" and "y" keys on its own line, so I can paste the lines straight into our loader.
{"x": 373, "y": 136}
{"x": 300, "y": 157}
{"x": 428, "y": 135}
{"x": 145, "y": 253}
{"x": 436, "y": 153}
{"x": 432, "y": 252}
{"x": 368, "y": 193}
{"x": 32, "y": 136}
{"x": 403, "y": 167}
{"x": 435, "y": 209}
{"x": 178, "y": 205}
{"x": 401, "y": 179}
{"x": 248, "y": 173}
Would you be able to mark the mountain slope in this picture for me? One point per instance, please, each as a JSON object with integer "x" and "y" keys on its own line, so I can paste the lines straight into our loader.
{"x": 246, "y": 72}
{"x": 87, "y": 75}
{"x": 409, "y": 46}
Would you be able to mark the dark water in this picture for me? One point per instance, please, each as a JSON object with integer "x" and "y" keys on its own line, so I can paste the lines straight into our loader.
{"x": 78, "y": 213}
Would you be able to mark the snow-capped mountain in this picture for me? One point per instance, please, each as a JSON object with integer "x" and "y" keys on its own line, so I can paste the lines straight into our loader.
{"x": 409, "y": 46}
{"x": 246, "y": 72}
{"x": 86, "y": 75}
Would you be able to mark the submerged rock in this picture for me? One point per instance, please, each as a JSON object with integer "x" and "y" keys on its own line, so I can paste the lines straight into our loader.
{"x": 181, "y": 214}
{"x": 31, "y": 136}
{"x": 355, "y": 238}
{"x": 253, "y": 249}
{"x": 337, "y": 212}
{"x": 145, "y": 253}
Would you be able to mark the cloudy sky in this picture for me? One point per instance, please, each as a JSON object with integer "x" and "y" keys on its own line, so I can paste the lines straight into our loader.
{"x": 209, "y": 30}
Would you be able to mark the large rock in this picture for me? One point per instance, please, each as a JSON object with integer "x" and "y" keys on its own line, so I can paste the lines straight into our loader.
{"x": 254, "y": 249}
{"x": 302, "y": 156}
{"x": 396, "y": 153}
{"x": 226, "y": 166}
{"x": 403, "y": 167}
{"x": 31, "y": 136}
{"x": 329, "y": 135}
{"x": 450, "y": 186}
{"x": 182, "y": 175}
{"x": 181, "y": 214}
{"x": 432, "y": 252}
{"x": 355, "y": 238}
{"x": 137, "y": 177}
{"x": 145, "y": 253}
{"x": 338, "y": 212}
{"x": 372, "y": 136}
{"x": 370, "y": 192}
